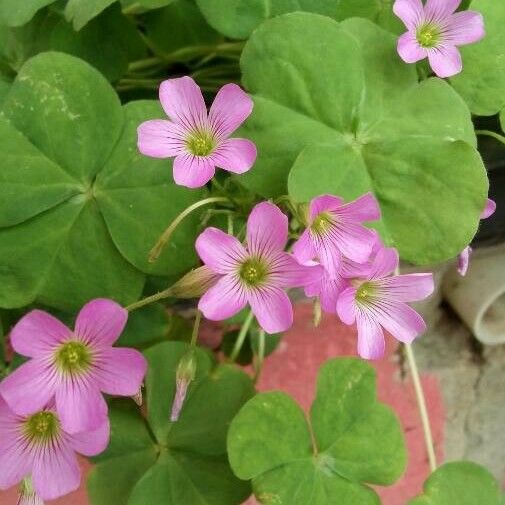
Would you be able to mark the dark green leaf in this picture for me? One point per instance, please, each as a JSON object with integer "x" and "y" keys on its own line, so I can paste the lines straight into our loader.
{"x": 80, "y": 12}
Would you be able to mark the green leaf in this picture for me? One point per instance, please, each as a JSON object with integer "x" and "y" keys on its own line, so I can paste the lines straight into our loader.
{"x": 80, "y": 12}
{"x": 189, "y": 463}
{"x": 16, "y": 13}
{"x": 355, "y": 440}
{"x": 381, "y": 131}
{"x": 482, "y": 81}
{"x": 460, "y": 483}
{"x": 177, "y": 26}
{"x": 92, "y": 206}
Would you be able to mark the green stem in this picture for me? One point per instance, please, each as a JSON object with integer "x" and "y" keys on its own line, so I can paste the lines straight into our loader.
{"x": 134, "y": 8}
{"x": 230, "y": 224}
{"x": 165, "y": 237}
{"x": 261, "y": 356}
{"x": 489, "y": 133}
{"x": 241, "y": 336}
{"x": 166, "y": 293}
{"x": 196, "y": 326}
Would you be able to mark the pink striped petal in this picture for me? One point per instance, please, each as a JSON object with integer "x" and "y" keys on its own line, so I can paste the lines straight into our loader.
{"x": 355, "y": 241}
{"x": 38, "y": 333}
{"x": 364, "y": 208}
{"x": 231, "y": 107}
{"x": 464, "y": 260}
{"x": 407, "y": 288}
{"x": 411, "y": 12}
{"x": 386, "y": 261}
{"x": 235, "y": 155}
{"x": 272, "y": 308}
{"x": 55, "y": 472}
{"x": 159, "y": 138}
{"x": 445, "y": 61}
{"x": 439, "y": 10}
{"x": 91, "y": 443}
{"x": 371, "y": 343}
{"x": 193, "y": 171}
{"x": 100, "y": 322}
{"x": 15, "y": 462}
{"x": 329, "y": 256}
{"x": 489, "y": 210}
{"x": 267, "y": 229}
{"x": 329, "y": 293}
{"x": 346, "y": 306}
{"x": 37, "y": 382}
{"x": 120, "y": 371}
{"x": 324, "y": 203}
{"x": 409, "y": 49}
{"x": 183, "y": 103}
{"x": 303, "y": 248}
{"x": 286, "y": 272}
{"x": 403, "y": 322}
{"x": 220, "y": 252}
{"x": 465, "y": 28}
{"x": 80, "y": 405}
{"x": 224, "y": 300}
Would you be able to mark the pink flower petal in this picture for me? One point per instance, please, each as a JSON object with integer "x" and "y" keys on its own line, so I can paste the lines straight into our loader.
{"x": 267, "y": 229}
{"x": 231, "y": 107}
{"x": 407, "y": 288}
{"x": 329, "y": 256}
{"x": 445, "y": 61}
{"x": 364, "y": 208}
{"x": 91, "y": 443}
{"x": 159, "y": 138}
{"x": 330, "y": 292}
{"x": 324, "y": 203}
{"x": 15, "y": 462}
{"x": 272, "y": 308}
{"x": 409, "y": 49}
{"x": 403, "y": 322}
{"x": 439, "y": 10}
{"x": 100, "y": 322}
{"x": 464, "y": 260}
{"x": 371, "y": 343}
{"x": 235, "y": 155}
{"x": 183, "y": 103}
{"x": 409, "y": 11}
{"x": 38, "y": 333}
{"x": 55, "y": 472}
{"x": 303, "y": 248}
{"x": 193, "y": 171}
{"x": 489, "y": 210}
{"x": 286, "y": 272}
{"x": 224, "y": 300}
{"x": 465, "y": 28}
{"x": 385, "y": 262}
{"x": 346, "y": 306}
{"x": 120, "y": 371}
{"x": 35, "y": 380}
{"x": 220, "y": 252}
{"x": 355, "y": 241}
{"x": 80, "y": 405}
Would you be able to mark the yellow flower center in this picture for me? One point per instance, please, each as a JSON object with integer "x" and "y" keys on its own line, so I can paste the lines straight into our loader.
{"x": 73, "y": 357}
{"x": 253, "y": 272}
{"x": 201, "y": 143}
{"x": 428, "y": 35}
{"x": 364, "y": 292}
{"x": 322, "y": 223}
{"x": 42, "y": 426}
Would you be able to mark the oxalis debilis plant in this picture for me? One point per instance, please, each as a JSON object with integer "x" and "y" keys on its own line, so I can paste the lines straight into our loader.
{"x": 336, "y": 158}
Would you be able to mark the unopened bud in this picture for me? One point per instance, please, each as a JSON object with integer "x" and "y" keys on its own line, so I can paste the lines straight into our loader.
{"x": 139, "y": 397}
{"x": 27, "y": 495}
{"x": 195, "y": 283}
{"x": 317, "y": 313}
{"x": 186, "y": 371}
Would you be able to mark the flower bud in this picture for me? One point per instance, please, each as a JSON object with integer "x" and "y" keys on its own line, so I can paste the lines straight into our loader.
{"x": 195, "y": 283}
{"x": 139, "y": 397}
{"x": 186, "y": 371}
{"x": 27, "y": 495}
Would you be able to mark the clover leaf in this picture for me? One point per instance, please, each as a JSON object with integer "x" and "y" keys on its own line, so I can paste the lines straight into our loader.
{"x": 352, "y": 439}
{"x": 460, "y": 483}
{"x": 412, "y": 144}
{"x": 155, "y": 461}
{"x": 80, "y": 208}
{"x": 482, "y": 81}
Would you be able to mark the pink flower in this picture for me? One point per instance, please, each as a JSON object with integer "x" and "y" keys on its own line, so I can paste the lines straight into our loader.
{"x": 73, "y": 367}
{"x": 466, "y": 253}
{"x": 199, "y": 141}
{"x": 335, "y": 230}
{"x": 377, "y": 302}
{"x": 434, "y": 31}
{"x": 38, "y": 446}
{"x": 256, "y": 274}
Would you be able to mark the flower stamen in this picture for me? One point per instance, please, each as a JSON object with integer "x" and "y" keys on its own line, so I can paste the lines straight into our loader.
{"x": 322, "y": 223}
{"x": 42, "y": 426}
{"x": 73, "y": 357}
{"x": 200, "y": 143}
{"x": 428, "y": 35}
{"x": 253, "y": 272}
